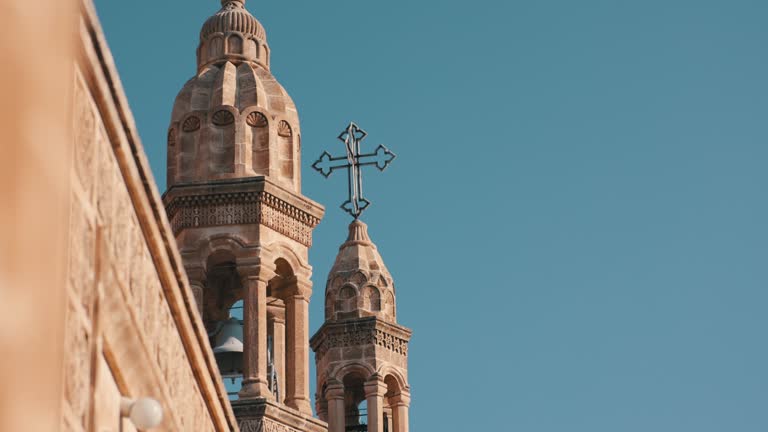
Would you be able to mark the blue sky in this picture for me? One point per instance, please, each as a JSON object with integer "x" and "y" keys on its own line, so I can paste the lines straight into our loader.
{"x": 576, "y": 220}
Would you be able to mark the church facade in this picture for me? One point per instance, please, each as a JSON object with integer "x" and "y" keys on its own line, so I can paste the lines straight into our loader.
{"x": 199, "y": 298}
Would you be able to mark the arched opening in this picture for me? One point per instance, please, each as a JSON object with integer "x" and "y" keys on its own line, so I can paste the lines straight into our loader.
{"x": 355, "y": 404}
{"x": 223, "y": 318}
{"x": 223, "y": 289}
{"x": 395, "y": 410}
{"x": 280, "y": 331}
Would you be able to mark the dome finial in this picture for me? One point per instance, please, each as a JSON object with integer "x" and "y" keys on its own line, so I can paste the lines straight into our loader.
{"x": 225, "y": 2}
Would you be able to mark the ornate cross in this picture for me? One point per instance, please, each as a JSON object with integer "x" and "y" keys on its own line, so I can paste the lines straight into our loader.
{"x": 352, "y": 162}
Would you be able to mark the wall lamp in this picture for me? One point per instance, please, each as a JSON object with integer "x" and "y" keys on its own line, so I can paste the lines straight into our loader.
{"x": 144, "y": 413}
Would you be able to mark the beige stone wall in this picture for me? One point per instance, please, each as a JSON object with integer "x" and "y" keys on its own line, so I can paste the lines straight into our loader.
{"x": 130, "y": 328}
{"x": 34, "y": 149}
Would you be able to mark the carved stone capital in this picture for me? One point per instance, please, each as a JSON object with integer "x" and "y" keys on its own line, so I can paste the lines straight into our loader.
{"x": 334, "y": 390}
{"x": 253, "y": 272}
{"x": 375, "y": 387}
{"x": 300, "y": 292}
{"x": 276, "y": 312}
{"x": 402, "y": 398}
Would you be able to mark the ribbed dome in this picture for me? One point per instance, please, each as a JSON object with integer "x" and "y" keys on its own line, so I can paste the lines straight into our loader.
{"x": 359, "y": 283}
{"x": 233, "y": 17}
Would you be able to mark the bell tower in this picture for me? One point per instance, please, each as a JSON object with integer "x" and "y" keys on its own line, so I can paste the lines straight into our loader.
{"x": 361, "y": 351}
{"x": 242, "y": 225}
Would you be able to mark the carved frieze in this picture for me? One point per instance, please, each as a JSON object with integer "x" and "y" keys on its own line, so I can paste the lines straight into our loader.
{"x": 272, "y": 426}
{"x": 242, "y": 208}
{"x": 364, "y": 336}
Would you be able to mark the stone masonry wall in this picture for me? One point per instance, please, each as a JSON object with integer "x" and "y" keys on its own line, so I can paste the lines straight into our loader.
{"x": 131, "y": 328}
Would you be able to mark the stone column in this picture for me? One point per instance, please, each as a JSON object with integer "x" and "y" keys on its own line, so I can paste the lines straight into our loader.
{"x": 334, "y": 394}
{"x": 321, "y": 407}
{"x": 197, "y": 279}
{"x": 375, "y": 389}
{"x": 276, "y": 318}
{"x": 297, "y": 349}
{"x": 400, "y": 403}
{"x": 255, "y": 383}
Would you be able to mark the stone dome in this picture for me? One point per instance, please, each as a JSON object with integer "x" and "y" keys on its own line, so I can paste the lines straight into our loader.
{"x": 359, "y": 283}
{"x": 232, "y": 34}
{"x": 233, "y": 17}
{"x": 234, "y": 121}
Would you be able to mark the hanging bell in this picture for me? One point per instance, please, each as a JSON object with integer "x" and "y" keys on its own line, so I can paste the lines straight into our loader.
{"x": 228, "y": 348}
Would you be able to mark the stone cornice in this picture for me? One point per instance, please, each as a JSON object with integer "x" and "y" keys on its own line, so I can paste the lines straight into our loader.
{"x": 261, "y": 415}
{"x": 361, "y": 331}
{"x": 238, "y": 202}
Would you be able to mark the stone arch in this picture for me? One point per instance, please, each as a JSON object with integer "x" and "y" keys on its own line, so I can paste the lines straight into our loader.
{"x": 362, "y": 369}
{"x": 284, "y": 251}
{"x": 208, "y": 246}
{"x": 359, "y": 279}
{"x": 393, "y": 376}
{"x": 371, "y": 299}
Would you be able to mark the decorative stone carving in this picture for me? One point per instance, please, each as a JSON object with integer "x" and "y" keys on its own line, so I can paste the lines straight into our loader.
{"x": 191, "y": 124}
{"x": 251, "y": 426}
{"x": 172, "y": 137}
{"x": 284, "y": 129}
{"x": 363, "y": 335}
{"x": 242, "y": 208}
{"x": 256, "y": 120}
{"x": 272, "y": 426}
{"x": 223, "y": 118}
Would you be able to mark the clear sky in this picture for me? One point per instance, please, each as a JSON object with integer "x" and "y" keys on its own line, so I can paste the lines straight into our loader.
{"x": 577, "y": 220}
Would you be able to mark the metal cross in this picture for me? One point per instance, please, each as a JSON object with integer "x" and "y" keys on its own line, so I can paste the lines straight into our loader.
{"x": 353, "y": 161}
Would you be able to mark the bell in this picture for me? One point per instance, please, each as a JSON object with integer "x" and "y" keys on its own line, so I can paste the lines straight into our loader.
{"x": 228, "y": 348}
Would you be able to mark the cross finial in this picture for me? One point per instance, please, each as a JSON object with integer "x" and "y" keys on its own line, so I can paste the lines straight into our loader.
{"x": 352, "y": 137}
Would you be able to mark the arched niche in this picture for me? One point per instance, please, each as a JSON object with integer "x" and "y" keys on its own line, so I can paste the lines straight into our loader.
{"x": 285, "y": 152}
{"x": 235, "y": 45}
{"x": 221, "y": 140}
{"x": 371, "y": 299}
{"x": 258, "y": 127}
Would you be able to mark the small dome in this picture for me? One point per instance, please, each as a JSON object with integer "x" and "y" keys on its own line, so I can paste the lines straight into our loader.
{"x": 359, "y": 284}
{"x": 232, "y": 35}
{"x": 233, "y": 17}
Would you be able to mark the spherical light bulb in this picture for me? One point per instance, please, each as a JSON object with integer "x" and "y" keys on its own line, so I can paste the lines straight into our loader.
{"x": 146, "y": 413}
